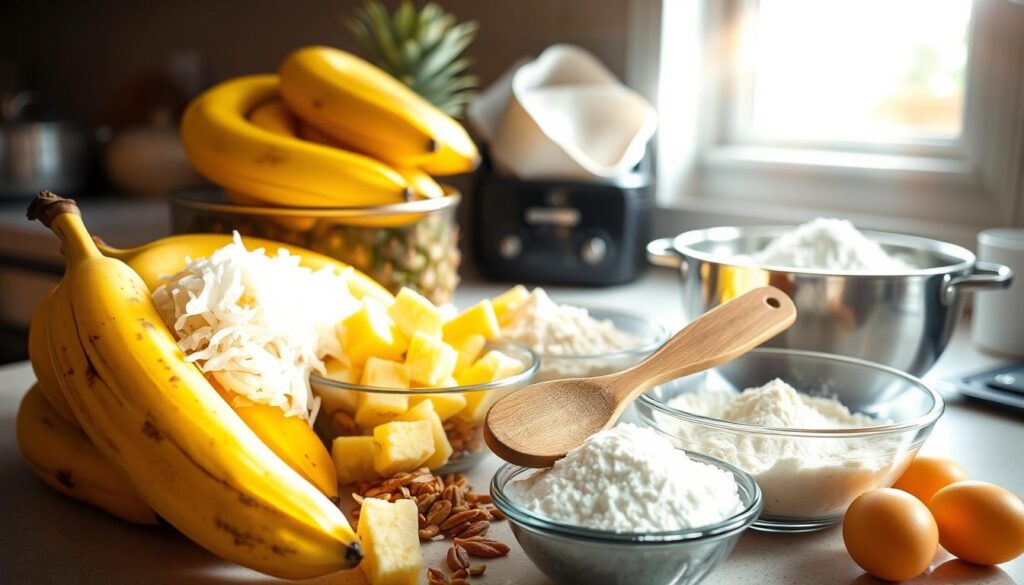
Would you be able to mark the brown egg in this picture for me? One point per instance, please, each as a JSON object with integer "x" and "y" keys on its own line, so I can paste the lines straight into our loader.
{"x": 927, "y": 475}
{"x": 979, "y": 522}
{"x": 890, "y": 534}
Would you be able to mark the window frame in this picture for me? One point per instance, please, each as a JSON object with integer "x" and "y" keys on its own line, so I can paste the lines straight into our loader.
{"x": 708, "y": 178}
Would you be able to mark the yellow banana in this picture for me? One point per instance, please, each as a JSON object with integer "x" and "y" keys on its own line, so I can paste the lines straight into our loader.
{"x": 371, "y": 111}
{"x": 275, "y": 117}
{"x": 223, "y": 144}
{"x": 42, "y": 365}
{"x": 63, "y": 457}
{"x": 158, "y": 418}
{"x": 167, "y": 256}
{"x": 292, "y": 439}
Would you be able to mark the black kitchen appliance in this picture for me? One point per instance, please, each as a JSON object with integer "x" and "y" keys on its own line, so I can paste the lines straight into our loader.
{"x": 562, "y": 232}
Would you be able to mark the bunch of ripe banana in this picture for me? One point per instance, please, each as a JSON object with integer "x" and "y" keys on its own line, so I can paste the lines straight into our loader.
{"x": 329, "y": 130}
{"x": 120, "y": 420}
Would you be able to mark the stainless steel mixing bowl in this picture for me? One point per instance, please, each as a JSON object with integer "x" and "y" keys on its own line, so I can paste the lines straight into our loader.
{"x": 901, "y": 320}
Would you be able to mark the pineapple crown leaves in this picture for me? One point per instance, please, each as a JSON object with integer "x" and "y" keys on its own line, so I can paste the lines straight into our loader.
{"x": 421, "y": 48}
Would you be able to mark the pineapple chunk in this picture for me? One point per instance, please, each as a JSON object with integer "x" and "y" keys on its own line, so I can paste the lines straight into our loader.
{"x": 442, "y": 448}
{"x": 380, "y": 373}
{"x": 478, "y": 319}
{"x": 377, "y": 408}
{"x": 401, "y": 446}
{"x": 412, "y": 312}
{"x": 338, "y": 398}
{"x": 429, "y": 360}
{"x": 469, "y": 350}
{"x": 493, "y": 366}
{"x": 370, "y": 332}
{"x": 446, "y": 405}
{"x": 389, "y": 536}
{"x": 506, "y": 303}
{"x": 353, "y": 459}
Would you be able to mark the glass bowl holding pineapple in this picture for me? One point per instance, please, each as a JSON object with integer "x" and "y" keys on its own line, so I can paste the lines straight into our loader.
{"x": 414, "y": 387}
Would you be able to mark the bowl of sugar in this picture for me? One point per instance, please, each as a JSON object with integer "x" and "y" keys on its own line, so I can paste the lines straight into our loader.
{"x": 627, "y": 507}
{"x": 888, "y": 298}
{"x": 814, "y": 430}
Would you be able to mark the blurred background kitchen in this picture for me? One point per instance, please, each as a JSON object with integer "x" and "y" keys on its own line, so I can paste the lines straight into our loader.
{"x": 901, "y": 115}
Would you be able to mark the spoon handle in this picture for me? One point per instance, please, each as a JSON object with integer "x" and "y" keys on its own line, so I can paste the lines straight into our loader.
{"x": 718, "y": 336}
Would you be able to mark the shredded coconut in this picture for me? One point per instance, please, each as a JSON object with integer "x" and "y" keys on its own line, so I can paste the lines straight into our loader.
{"x": 564, "y": 330}
{"x": 630, "y": 479}
{"x": 828, "y": 244}
{"x": 800, "y": 476}
{"x": 257, "y": 323}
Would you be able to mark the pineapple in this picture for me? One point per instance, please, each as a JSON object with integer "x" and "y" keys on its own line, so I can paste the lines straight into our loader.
{"x": 469, "y": 350}
{"x": 422, "y": 253}
{"x": 493, "y": 366}
{"x": 401, "y": 446}
{"x": 421, "y": 49}
{"x": 442, "y": 448}
{"x": 389, "y": 536}
{"x": 446, "y": 405}
{"x": 380, "y": 373}
{"x": 370, "y": 332}
{"x": 478, "y": 319}
{"x": 413, "y": 313}
{"x": 506, "y": 303}
{"x": 377, "y": 408}
{"x": 333, "y": 399}
{"x": 429, "y": 360}
{"x": 353, "y": 459}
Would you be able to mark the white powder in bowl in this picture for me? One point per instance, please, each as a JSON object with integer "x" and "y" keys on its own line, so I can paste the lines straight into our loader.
{"x": 828, "y": 244}
{"x": 801, "y": 477}
{"x": 630, "y": 479}
{"x": 549, "y": 328}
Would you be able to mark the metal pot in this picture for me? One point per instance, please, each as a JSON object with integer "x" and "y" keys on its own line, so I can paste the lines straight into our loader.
{"x": 901, "y": 320}
{"x": 37, "y": 152}
{"x": 42, "y": 155}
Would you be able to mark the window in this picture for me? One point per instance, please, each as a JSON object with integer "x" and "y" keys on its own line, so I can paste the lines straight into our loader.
{"x": 900, "y": 114}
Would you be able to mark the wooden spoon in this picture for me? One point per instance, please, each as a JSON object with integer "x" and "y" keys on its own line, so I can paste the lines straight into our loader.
{"x": 539, "y": 424}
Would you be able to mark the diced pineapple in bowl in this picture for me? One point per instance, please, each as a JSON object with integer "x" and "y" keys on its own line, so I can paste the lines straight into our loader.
{"x": 413, "y": 387}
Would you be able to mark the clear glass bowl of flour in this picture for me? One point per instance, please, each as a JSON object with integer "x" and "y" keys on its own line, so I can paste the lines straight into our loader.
{"x": 570, "y": 554}
{"x": 809, "y": 475}
{"x": 649, "y": 336}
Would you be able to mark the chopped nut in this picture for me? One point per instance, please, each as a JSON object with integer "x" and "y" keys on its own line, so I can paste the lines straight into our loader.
{"x": 496, "y": 514}
{"x": 457, "y": 558}
{"x": 475, "y": 529}
{"x": 477, "y": 570}
{"x": 439, "y": 513}
{"x": 435, "y": 577}
{"x": 457, "y": 519}
{"x": 460, "y": 574}
{"x": 430, "y": 531}
{"x": 483, "y": 547}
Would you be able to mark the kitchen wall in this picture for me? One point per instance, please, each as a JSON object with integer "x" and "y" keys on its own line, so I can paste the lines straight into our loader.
{"x": 78, "y": 52}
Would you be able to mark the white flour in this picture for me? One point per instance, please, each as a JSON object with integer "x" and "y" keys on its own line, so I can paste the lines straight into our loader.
{"x": 828, "y": 244}
{"x": 630, "y": 479}
{"x": 549, "y": 328}
{"x": 802, "y": 477}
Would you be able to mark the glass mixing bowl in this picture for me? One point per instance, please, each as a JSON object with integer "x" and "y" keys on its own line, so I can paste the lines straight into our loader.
{"x": 571, "y": 554}
{"x": 809, "y": 476}
{"x": 463, "y": 429}
{"x": 651, "y": 335}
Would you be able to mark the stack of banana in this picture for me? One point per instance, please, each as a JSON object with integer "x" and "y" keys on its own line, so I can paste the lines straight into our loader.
{"x": 329, "y": 130}
{"x": 120, "y": 420}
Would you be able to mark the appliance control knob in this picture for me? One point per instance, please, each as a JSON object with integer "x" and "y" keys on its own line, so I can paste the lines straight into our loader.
{"x": 594, "y": 250}
{"x": 510, "y": 246}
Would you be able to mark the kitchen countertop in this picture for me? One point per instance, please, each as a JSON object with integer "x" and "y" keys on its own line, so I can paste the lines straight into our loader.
{"x": 49, "y": 538}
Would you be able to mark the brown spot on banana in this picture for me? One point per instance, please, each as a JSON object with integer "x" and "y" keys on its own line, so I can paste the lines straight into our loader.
{"x": 240, "y": 537}
{"x": 151, "y": 432}
{"x": 47, "y": 422}
{"x": 281, "y": 550}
